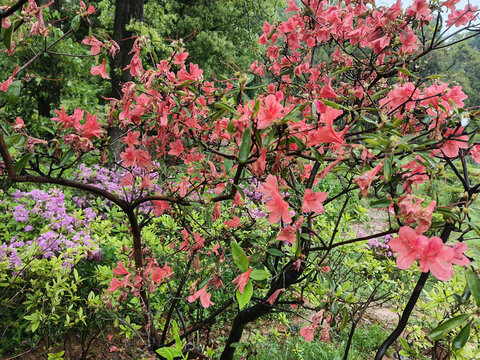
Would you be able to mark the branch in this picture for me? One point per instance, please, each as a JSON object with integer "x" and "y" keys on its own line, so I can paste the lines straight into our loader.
{"x": 410, "y": 305}
{"x": 12, "y": 9}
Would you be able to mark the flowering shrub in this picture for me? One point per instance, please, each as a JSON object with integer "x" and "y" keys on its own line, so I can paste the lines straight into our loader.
{"x": 38, "y": 223}
{"x": 189, "y": 146}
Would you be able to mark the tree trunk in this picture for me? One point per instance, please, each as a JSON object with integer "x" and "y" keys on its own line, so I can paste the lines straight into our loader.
{"x": 125, "y": 11}
{"x": 288, "y": 277}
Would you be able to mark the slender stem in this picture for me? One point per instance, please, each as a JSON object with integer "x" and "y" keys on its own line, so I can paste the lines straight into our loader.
{"x": 410, "y": 305}
{"x": 175, "y": 300}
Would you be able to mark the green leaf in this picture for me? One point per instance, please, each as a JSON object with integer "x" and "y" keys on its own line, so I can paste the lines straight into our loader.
{"x": 7, "y": 37}
{"x": 260, "y": 274}
{"x": 275, "y": 252}
{"x": 244, "y": 298}
{"x": 13, "y": 92}
{"x": 231, "y": 127}
{"x": 245, "y": 146}
{"x": 332, "y": 104}
{"x": 316, "y": 154}
{"x": 15, "y": 140}
{"x": 340, "y": 71}
{"x": 404, "y": 344}
{"x": 66, "y": 157}
{"x": 388, "y": 168}
{"x": 75, "y": 23}
{"x": 428, "y": 160}
{"x": 169, "y": 353}
{"x": 345, "y": 319}
{"x": 405, "y": 71}
{"x": 20, "y": 164}
{"x": 226, "y": 107}
{"x": 380, "y": 203}
{"x": 461, "y": 338}
{"x": 239, "y": 257}
{"x": 447, "y": 326}
{"x": 474, "y": 285}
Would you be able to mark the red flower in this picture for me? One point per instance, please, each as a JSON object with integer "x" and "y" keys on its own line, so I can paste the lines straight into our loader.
{"x": 452, "y": 146}
{"x": 234, "y": 223}
{"x": 460, "y": 258}
{"x": 271, "y": 300}
{"x": 270, "y": 186}
{"x": 94, "y": 43}
{"x": 120, "y": 270}
{"x": 91, "y": 127}
{"x": 270, "y": 112}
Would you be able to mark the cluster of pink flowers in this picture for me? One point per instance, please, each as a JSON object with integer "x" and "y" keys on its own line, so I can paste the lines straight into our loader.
{"x": 432, "y": 253}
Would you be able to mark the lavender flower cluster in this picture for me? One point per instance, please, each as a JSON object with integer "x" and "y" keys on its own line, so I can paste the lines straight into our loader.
{"x": 253, "y": 197}
{"x": 44, "y": 227}
{"x": 110, "y": 179}
{"x": 380, "y": 247}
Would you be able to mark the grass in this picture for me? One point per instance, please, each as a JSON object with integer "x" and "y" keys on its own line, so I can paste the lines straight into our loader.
{"x": 366, "y": 341}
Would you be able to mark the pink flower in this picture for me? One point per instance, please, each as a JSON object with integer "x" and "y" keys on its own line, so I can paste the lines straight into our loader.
{"x": 204, "y": 297}
{"x": 270, "y": 186}
{"x": 307, "y": 333}
{"x": 288, "y": 234}
{"x": 271, "y": 300}
{"x": 158, "y": 274}
{"x": 408, "y": 245}
{"x": 313, "y": 201}
{"x": 437, "y": 257}
{"x": 242, "y": 280}
{"x": 234, "y": 223}
{"x": 365, "y": 180}
{"x": 475, "y": 152}
{"x": 114, "y": 285}
{"x": 278, "y": 210}
{"x": 452, "y": 146}
{"x": 100, "y": 70}
{"x": 270, "y": 112}
{"x": 120, "y": 270}
{"x": 460, "y": 258}
{"x": 94, "y": 43}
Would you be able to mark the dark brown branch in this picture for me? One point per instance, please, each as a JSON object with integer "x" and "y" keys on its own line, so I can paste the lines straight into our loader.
{"x": 12, "y": 9}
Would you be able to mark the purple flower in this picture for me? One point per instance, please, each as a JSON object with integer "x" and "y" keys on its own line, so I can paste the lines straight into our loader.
{"x": 20, "y": 213}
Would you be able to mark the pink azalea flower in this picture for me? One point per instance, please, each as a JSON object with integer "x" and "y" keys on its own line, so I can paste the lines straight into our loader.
{"x": 242, "y": 280}
{"x": 100, "y": 70}
{"x": 204, "y": 297}
{"x": 270, "y": 112}
{"x": 460, "y": 258}
{"x": 408, "y": 245}
{"x": 437, "y": 257}
{"x": 278, "y": 210}
{"x": 365, "y": 180}
{"x": 452, "y": 146}
{"x": 120, "y": 269}
{"x": 313, "y": 201}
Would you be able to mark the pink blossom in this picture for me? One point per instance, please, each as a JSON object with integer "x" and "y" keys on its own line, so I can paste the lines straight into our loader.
{"x": 409, "y": 246}
{"x": 437, "y": 258}
{"x": 204, "y": 297}
{"x": 242, "y": 280}
{"x": 313, "y": 201}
